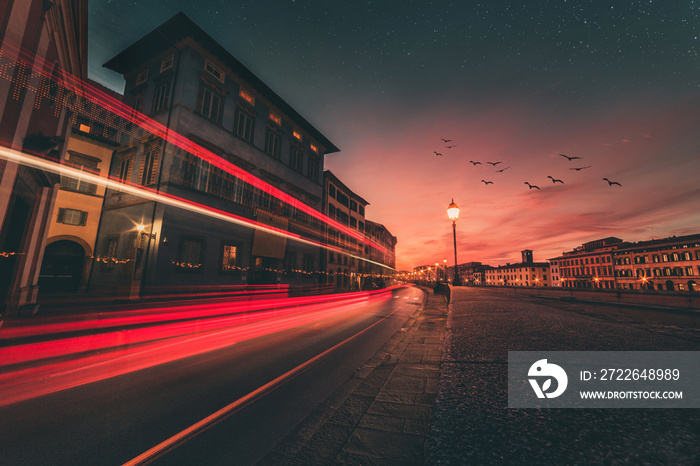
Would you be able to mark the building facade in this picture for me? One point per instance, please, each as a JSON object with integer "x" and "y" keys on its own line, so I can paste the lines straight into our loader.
{"x": 380, "y": 268}
{"x": 225, "y": 141}
{"x": 590, "y": 265}
{"x": 343, "y": 264}
{"x": 75, "y": 217}
{"x": 526, "y": 273}
{"x": 44, "y": 45}
{"x": 669, "y": 264}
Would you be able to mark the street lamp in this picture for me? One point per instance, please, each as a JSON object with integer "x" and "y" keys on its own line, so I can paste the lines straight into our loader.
{"x": 453, "y": 214}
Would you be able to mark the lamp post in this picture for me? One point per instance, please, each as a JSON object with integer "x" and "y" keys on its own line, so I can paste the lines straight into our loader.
{"x": 453, "y": 214}
{"x": 444, "y": 267}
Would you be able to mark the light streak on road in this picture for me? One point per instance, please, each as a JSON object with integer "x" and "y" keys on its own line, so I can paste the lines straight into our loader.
{"x": 75, "y": 361}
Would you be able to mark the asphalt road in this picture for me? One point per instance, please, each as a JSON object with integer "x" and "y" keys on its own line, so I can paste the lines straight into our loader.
{"x": 115, "y": 420}
{"x": 472, "y": 423}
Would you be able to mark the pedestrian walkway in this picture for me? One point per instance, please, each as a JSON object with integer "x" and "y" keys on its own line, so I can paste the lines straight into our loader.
{"x": 383, "y": 413}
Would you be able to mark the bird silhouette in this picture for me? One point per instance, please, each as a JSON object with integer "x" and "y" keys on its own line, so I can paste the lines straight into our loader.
{"x": 554, "y": 180}
{"x": 580, "y": 168}
{"x": 494, "y": 163}
{"x": 474, "y": 163}
{"x": 487, "y": 182}
{"x": 610, "y": 183}
{"x": 437, "y": 153}
{"x": 450, "y": 147}
{"x": 570, "y": 158}
{"x": 532, "y": 185}
{"x": 446, "y": 140}
{"x": 502, "y": 169}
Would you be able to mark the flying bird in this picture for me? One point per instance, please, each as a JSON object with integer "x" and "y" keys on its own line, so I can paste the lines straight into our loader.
{"x": 555, "y": 180}
{"x": 437, "y": 153}
{"x": 502, "y": 169}
{"x": 450, "y": 147}
{"x": 570, "y": 158}
{"x": 532, "y": 185}
{"x": 494, "y": 163}
{"x": 580, "y": 168}
{"x": 474, "y": 163}
{"x": 487, "y": 182}
{"x": 446, "y": 140}
{"x": 610, "y": 183}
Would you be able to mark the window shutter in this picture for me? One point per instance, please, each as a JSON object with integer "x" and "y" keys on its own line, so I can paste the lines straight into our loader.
{"x": 83, "y": 218}
{"x": 61, "y": 214}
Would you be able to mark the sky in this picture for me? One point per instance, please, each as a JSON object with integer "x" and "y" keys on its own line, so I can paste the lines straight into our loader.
{"x": 614, "y": 83}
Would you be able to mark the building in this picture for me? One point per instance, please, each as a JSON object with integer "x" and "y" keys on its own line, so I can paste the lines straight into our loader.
{"x": 343, "y": 265}
{"x": 471, "y": 273}
{"x": 526, "y": 273}
{"x": 382, "y": 262}
{"x": 589, "y": 265}
{"x": 223, "y": 140}
{"x": 43, "y": 50}
{"x": 75, "y": 216}
{"x": 668, "y": 264}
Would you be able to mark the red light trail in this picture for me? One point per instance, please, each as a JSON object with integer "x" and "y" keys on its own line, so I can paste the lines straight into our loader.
{"x": 73, "y": 361}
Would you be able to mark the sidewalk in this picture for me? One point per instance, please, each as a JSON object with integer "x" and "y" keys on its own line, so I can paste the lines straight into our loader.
{"x": 383, "y": 413}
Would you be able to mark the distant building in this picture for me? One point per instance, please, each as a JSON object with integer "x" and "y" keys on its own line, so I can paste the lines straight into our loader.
{"x": 382, "y": 265}
{"x": 343, "y": 269}
{"x": 471, "y": 273}
{"x": 183, "y": 79}
{"x": 525, "y": 273}
{"x": 668, "y": 264}
{"x": 43, "y": 46}
{"x": 589, "y": 265}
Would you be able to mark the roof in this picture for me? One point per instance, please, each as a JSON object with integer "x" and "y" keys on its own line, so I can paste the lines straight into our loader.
{"x": 180, "y": 27}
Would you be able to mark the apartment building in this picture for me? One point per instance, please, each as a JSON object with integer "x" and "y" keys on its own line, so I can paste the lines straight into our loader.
{"x": 590, "y": 265}
{"x": 343, "y": 264}
{"x": 228, "y": 143}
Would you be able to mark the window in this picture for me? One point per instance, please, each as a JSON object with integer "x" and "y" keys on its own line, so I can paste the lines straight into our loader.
{"x": 272, "y": 143}
{"x": 308, "y": 264}
{"x": 296, "y": 159}
{"x": 167, "y": 63}
{"x": 331, "y": 190}
{"x": 228, "y": 259}
{"x": 274, "y": 117}
{"x": 361, "y": 210}
{"x": 297, "y": 135}
{"x": 72, "y": 217}
{"x": 149, "y": 166}
{"x": 247, "y": 96}
{"x": 353, "y": 205}
{"x": 137, "y": 102}
{"x": 244, "y": 125}
{"x": 191, "y": 255}
{"x": 313, "y": 169}
{"x": 109, "y": 252}
{"x": 161, "y": 95}
{"x": 141, "y": 77}
{"x": 124, "y": 173}
{"x": 81, "y": 162}
{"x": 314, "y": 148}
{"x": 214, "y": 70}
{"x": 209, "y": 103}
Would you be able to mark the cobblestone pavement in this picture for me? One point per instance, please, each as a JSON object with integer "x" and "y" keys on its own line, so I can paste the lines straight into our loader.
{"x": 383, "y": 414}
{"x": 472, "y": 423}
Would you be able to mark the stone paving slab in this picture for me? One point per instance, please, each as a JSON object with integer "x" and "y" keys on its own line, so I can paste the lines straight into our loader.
{"x": 384, "y": 416}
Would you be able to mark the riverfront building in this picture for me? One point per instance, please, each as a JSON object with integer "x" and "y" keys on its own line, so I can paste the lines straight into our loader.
{"x": 526, "y": 273}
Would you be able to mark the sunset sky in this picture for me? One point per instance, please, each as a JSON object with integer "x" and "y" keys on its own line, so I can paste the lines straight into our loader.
{"x": 617, "y": 85}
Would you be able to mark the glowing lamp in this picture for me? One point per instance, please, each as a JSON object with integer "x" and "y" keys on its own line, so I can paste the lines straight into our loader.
{"x": 453, "y": 211}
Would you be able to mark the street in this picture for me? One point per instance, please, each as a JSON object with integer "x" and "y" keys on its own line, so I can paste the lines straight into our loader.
{"x": 114, "y": 420}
